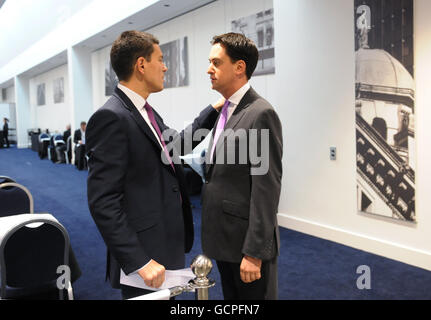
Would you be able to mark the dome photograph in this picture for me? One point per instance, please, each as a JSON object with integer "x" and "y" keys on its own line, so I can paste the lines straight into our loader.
{"x": 385, "y": 108}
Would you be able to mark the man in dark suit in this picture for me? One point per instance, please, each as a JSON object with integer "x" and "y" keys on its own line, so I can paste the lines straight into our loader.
{"x": 79, "y": 140}
{"x": 136, "y": 189}
{"x": 5, "y": 133}
{"x": 243, "y": 176}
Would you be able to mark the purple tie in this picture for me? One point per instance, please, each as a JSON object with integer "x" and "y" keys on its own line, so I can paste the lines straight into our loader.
{"x": 220, "y": 126}
{"x": 156, "y": 127}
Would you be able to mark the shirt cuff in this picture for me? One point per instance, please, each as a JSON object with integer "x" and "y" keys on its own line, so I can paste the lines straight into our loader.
{"x": 136, "y": 271}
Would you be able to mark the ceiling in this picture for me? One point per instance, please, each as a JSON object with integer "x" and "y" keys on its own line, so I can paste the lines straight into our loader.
{"x": 152, "y": 16}
{"x": 149, "y": 17}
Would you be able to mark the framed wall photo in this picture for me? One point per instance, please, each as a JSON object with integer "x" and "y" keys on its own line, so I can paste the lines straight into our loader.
{"x": 58, "y": 89}
{"x": 176, "y": 58}
{"x": 41, "y": 94}
{"x": 259, "y": 27}
{"x": 385, "y": 108}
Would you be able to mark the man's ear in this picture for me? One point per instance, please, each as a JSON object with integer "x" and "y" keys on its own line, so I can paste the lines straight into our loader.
{"x": 140, "y": 65}
{"x": 241, "y": 67}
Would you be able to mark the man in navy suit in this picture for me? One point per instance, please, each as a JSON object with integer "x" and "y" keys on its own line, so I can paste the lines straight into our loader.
{"x": 136, "y": 189}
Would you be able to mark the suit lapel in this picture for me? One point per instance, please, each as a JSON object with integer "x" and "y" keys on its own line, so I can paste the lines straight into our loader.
{"x": 137, "y": 116}
{"x": 239, "y": 112}
{"x": 143, "y": 125}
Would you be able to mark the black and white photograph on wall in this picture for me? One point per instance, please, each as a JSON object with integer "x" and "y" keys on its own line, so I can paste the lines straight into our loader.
{"x": 176, "y": 57}
{"x": 385, "y": 108}
{"x": 58, "y": 88}
{"x": 111, "y": 79}
{"x": 259, "y": 27}
{"x": 41, "y": 94}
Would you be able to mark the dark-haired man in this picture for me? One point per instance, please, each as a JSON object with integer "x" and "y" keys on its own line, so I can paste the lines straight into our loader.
{"x": 79, "y": 140}
{"x": 5, "y": 133}
{"x": 243, "y": 176}
{"x": 136, "y": 189}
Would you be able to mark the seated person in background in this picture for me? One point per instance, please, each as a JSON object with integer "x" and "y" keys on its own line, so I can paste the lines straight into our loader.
{"x": 61, "y": 148}
{"x": 79, "y": 140}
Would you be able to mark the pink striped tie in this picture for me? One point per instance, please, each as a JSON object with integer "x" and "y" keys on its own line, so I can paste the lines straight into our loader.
{"x": 156, "y": 127}
{"x": 220, "y": 126}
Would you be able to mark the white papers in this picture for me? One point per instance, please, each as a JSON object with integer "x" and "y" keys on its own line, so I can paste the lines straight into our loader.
{"x": 157, "y": 295}
{"x": 173, "y": 278}
{"x": 195, "y": 161}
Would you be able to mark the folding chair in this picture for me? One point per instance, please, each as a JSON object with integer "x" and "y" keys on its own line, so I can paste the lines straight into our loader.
{"x": 15, "y": 199}
{"x": 34, "y": 257}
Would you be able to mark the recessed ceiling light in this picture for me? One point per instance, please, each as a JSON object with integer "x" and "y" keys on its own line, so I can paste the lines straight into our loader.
{"x": 167, "y": 5}
{"x": 130, "y": 22}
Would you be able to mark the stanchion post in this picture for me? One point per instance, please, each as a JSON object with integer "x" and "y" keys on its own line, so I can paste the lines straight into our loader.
{"x": 201, "y": 267}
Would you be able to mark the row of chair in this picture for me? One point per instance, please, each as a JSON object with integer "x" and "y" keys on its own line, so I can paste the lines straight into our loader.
{"x": 36, "y": 259}
{"x": 49, "y": 144}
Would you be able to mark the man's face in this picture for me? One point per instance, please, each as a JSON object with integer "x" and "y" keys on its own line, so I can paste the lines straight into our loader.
{"x": 221, "y": 70}
{"x": 83, "y": 127}
{"x": 155, "y": 70}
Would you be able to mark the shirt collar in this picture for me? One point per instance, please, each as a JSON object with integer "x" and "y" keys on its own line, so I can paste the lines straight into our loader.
{"x": 136, "y": 99}
{"x": 237, "y": 96}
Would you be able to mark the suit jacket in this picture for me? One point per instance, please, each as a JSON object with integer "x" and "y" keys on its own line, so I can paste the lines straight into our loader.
{"x": 239, "y": 203}
{"x": 5, "y": 129}
{"x": 77, "y": 136}
{"x": 139, "y": 204}
{"x": 66, "y": 135}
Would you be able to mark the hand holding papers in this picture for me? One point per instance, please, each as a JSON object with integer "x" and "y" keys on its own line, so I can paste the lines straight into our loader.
{"x": 173, "y": 278}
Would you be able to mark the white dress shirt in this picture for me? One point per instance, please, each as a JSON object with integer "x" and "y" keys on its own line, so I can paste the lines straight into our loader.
{"x": 139, "y": 102}
{"x": 236, "y": 98}
{"x": 82, "y": 136}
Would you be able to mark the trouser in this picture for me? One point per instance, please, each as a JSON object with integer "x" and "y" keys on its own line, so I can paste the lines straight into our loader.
{"x": 80, "y": 161}
{"x": 5, "y": 139}
{"x": 60, "y": 153}
{"x": 266, "y": 288}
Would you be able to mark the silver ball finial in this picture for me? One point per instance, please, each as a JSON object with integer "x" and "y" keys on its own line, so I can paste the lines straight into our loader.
{"x": 201, "y": 266}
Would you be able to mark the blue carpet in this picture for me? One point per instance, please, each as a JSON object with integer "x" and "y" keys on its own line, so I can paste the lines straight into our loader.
{"x": 309, "y": 267}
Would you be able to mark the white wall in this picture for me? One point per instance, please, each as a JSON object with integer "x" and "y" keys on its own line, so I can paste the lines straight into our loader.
{"x": 179, "y": 106}
{"x": 52, "y": 116}
{"x": 316, "y": 95}
{"x": 4, "y": 113}
{"x": 10, "y": 95}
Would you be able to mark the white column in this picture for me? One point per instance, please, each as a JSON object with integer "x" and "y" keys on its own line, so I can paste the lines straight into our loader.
{"x": 80, "y": 85}
{"x": 23, "y": 112}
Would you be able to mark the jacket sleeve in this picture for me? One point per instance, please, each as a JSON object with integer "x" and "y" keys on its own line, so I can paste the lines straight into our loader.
{"x": 185, "y": 141}
{"x": 107, "y": 150}
{"x": 265, "y": 156}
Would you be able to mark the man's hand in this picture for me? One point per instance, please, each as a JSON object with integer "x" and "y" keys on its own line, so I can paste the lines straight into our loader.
{"x": 153, "y": 274}
{"x": 219, "y": 104}
{"x": 250, "y": 269}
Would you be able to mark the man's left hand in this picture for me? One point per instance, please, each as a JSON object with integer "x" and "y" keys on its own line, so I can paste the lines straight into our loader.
{"x": 219, "y": 104}
{"x": 250, "y": 269}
